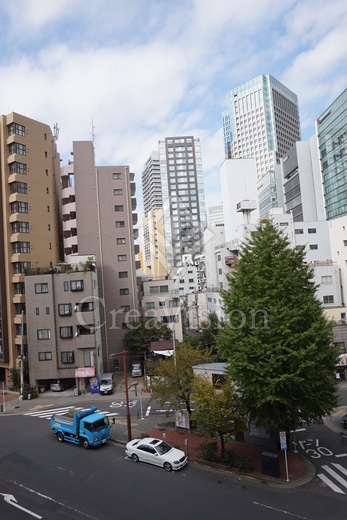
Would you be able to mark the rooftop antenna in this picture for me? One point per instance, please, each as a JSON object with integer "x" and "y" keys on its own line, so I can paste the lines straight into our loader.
{"x": 56, "y": 131}
{"x": 92, "y": 132}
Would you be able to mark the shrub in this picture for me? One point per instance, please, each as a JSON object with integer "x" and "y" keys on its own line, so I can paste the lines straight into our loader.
{"x": 243, "y": 464}
{"x": 229, "y": 458}
{"x": 208, "y": 450}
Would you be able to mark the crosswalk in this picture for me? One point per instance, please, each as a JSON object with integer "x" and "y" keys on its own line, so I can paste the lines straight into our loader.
{"x": 335, "y": 480}
{"x": 47, "y": 414}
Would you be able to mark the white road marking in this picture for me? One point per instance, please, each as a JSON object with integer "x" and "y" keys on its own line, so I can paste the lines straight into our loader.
{"x": 335, "y": 475}
{"x": 280, "y": 510}
{"x": 148, "y": 410}
{"x": 13, "y": 502}
{"x": 341, "y": 468}
{"x": 331, "y": 484}
{"x": 341, "y": 455}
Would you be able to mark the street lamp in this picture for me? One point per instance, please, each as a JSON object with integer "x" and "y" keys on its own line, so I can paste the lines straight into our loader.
{"x": 123, "y": 353}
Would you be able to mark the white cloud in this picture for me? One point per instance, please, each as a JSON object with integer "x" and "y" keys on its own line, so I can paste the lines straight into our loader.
{"x": 143, "y": 71}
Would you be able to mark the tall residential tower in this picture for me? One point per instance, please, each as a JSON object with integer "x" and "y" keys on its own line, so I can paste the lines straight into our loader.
{"x": 30, "y": 222}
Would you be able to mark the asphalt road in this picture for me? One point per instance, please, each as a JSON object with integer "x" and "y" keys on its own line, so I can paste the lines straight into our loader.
{"x": 40, "y": 478}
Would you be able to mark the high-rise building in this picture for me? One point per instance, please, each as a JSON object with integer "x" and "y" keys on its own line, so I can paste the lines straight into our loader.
{"x": 30, "y": 222}
{"x": 98, "y": 205}
{"x": 151, "y": 184}
{"x": 215, "y": 215}
{"x": 261, "y": 121}
{"x": 183, "y": 195}
{"x": 152, "y": 224}
{"x": 331, "y": 129}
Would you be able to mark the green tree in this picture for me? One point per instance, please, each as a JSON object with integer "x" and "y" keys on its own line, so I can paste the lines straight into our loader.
{"x": 209, "y": 332}
{"x": 278, "y": 342}
{"x": 218, "y": 412}
{"x": 173, "y": 381}
{"x": 143, "y": 332}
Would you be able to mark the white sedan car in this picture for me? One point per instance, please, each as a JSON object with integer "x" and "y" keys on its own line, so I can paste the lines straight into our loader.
{"x": 157, "y": 452}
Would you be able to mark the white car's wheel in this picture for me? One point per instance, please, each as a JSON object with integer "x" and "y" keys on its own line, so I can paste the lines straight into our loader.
{"x": 134, "y": 457}
{"x": 167, "y": 466}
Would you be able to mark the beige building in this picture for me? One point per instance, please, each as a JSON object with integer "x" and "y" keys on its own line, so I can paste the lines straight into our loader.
{"x": 162, "y": 303}
{"x": 30, "y": 219}
{"x": 99, "y": 219}
{"x": 153, "y": 244}
{"x": 63, "y": 324}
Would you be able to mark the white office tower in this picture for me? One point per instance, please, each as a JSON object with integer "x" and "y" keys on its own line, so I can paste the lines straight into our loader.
{"x": 261, "y": 121}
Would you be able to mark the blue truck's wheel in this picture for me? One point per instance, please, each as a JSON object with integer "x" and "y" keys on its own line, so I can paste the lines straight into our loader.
{"x": 60, "y": 437}
{"x": 85, "y": 444}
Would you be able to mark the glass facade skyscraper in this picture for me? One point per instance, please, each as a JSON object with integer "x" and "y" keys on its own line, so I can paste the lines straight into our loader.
{"x": 332, "y": 139}
{"x": 261, "y": 121}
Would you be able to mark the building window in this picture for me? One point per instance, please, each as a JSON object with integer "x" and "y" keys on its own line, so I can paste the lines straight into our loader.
{"x": 311, "y": 230}
{"x": 328, "y": 299}
{"x": 45, "y": 356}
{"x": 162, "y": 304}
{"x": 66, "y": 286}
{"x": 122, "y": 258}
{"x": 326, "y": 280}
{"x": 18, "y": 187}
{"x": 47, "y": 310}
{"x": 76, "y": 285}
{"x": 37, "y": 311}
{"x": 19, "y": 207}
{"x": 85, "y": 330}
{"x": 41, "y": 288}
{"x": 125, "y": 308}
{"x": 118, "y": 192}
{"x": 65, "y": 332}
{"x": 87, "y": 358}
{"x": 345, "y": 243}
{"x": 313, "y": 246}
{"x": 299, "y": 231}
{"x": 120, "y": 223}
{"x": 164, "y": 288}
{"x": 123, "y": 274}
{"x": 84, "y": 307}
{"x": 19, "y": 288}
{"x": 123, "y": 292}
{"x": 154, "y": 289}
{"x": 15, "y": 128}
{"x": 65, "y": 309}
{"x": 124, "y": 325}
{"x": 17, "y": 167}
{"x": 43, "y": 334}
{"x": 20, "y": 227}
{"x": 21, "y": 267}
{"x": 116, "y": 176}
{"x": 150, "y": 305}
{"x": 20, "y": 247}
{"x": 121, "y": 241}
{"x": 119, "y": 207}
{"x": 67, "y": 357}
{"x": 17, "y": 148}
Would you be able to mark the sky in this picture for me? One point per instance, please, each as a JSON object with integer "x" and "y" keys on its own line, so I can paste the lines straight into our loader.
{"x": 128, "y": 73}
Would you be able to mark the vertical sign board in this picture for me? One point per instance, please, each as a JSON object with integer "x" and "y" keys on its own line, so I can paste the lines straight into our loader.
{"x": 283, "y": 440}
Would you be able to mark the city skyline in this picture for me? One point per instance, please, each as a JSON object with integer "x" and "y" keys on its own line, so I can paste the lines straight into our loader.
{"x": 127, "y": 76}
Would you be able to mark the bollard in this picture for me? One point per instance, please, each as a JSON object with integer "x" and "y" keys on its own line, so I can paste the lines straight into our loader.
{"x": 186, "y": 446}
{"x": 164, "y": 437}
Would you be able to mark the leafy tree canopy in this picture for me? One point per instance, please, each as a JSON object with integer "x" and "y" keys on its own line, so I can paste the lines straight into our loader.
{"x": 278, "y": 342}
{"x": 218, "y": 412}
{"x": 209, "y": 332}
{"x": 173, "y": 382}
{"x": 143, "y": 332}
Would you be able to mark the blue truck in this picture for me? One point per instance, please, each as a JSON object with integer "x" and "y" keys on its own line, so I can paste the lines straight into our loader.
{"x": 88, "y": 428}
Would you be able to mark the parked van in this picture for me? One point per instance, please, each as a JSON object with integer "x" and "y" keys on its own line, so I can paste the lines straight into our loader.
{"x": 107, "y": 383}
{"x": 58, "y": 385}
{"x": 136, "y": 370}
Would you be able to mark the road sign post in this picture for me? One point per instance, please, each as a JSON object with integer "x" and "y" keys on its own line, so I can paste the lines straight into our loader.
{"x": 283, "y": 441}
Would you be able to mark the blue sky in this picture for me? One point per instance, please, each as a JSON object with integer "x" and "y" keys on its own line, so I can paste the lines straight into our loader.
{"x": 142, "y": 70}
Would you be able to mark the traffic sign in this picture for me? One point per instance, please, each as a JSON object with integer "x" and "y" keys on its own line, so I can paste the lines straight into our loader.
{"x": 283, "y": 440}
